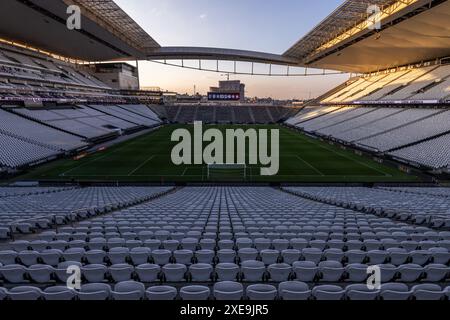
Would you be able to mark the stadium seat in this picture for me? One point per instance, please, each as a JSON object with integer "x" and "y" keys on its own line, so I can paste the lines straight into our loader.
{"x": 261, "y": 292}
{"x": 427, "y": 292}
{"x": 118, "y": 255}
{"x": 128, "y": 290}
{"x": 226, "y": 255}
{"x": 280, "y": 272}
{"x": 8, "y": 257}
{"x": 3, "y": 294}
{"x": 228, "y": 291}
{"x": 59, "y": 293}
{"x": 246, "y": 254}
{"x": 94, "y": 273}
{"x": 253, "y": 271}
{"x": 161, "y": 257}
{"x": 94, "y": 291}
{"x": 204, "y": 256}
{"x": 305, "y": 271}
{"x": 51, "y": 256}
{"x": 269, "y": 256}
{"x": 25, "y": 293}
{"x": 200, "y": 272}
{"x": 395, "y": 291}
{"x": 357, "y": 272}
{"x": 361, "y": 292}
{"x": 183, "y": 256}
{"x": 174, "y": 272}
{"x": 227, "y": 271}
{"x": 410, "y": 272}
{"x": 74, "y": 254}
{"x": 40, "y": 273}
{"x": 28, "y": 257}
{"x": 148, "y": 272}
{"x": 121, "y": 272}
{"x": 328, "y": 292}
{"x": 312, "y": 254}
{"x": 330, "y": 271}
{"x": 13, "y": 273}
{"x": 193, "y": 293}
{"x": 161, "y": 293}
{"x": 294, "y": 290}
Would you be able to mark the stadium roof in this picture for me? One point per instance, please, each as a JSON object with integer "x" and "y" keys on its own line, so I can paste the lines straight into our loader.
{"x": 219, "y": 54}
{"x": 107, "y": 32}
{"x": 411, "y": 31}
{"x": 342, "y": 19}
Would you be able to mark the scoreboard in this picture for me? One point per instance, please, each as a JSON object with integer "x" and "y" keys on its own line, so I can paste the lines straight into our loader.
{"x": 212, "y": 96}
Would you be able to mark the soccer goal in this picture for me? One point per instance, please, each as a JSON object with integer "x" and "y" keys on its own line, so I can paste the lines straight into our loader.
{"x": 227, "y": 172}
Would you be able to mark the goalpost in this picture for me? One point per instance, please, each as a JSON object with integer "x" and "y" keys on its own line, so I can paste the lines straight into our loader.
{"x": 227, "y": 172}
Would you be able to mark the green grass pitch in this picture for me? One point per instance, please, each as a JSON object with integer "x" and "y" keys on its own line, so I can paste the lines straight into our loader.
{"x": 147, "y": 159}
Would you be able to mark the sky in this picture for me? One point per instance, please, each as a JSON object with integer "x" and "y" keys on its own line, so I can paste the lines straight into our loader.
{"x": 271, "y": 26}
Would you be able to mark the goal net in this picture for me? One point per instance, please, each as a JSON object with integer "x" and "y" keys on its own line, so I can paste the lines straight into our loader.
{"x": 227, "y": 172}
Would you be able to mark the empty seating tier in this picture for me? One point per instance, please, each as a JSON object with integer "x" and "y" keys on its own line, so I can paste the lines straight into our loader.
{"x": 232, "y": 243}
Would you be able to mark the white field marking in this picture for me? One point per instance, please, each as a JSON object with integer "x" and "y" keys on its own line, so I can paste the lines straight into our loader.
{"x": 311, "y": 166}
{"x": 141, "y": 165}
{"x": 102, "y": 157}
{"x": 83, "y": 164}
{"x": 345, "y": 156}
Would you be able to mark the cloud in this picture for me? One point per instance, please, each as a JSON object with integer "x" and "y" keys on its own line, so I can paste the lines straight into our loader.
{"x": 203, "y": 16}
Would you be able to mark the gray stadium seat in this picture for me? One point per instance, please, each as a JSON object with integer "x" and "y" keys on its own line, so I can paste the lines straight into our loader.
{"x": 128, "y": 290}
{"x": 174, "y": 272}
{"x": 361, "y": 292}
{"x": 148, "y": 272}
{"x": 200, "y": 272}
{"x": 193, "y": 293}
{"x": 261, "y": 292}
{"x": 294, "y": 290}
{"x": 25, "y": 293}
{"x": 161, "y": 293}
{"x": 94, "y": 273}
{"x": 228, "y": 291}
{"x": 59, "y": 293}
{"x": 328, "y": 292}
{"x": 227, "y": 271}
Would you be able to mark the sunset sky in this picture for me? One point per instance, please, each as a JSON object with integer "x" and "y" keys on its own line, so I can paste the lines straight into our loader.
{"x": 268, "y": 26}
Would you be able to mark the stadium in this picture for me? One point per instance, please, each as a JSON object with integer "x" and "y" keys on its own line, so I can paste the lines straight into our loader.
{"x": 93, "y": 206}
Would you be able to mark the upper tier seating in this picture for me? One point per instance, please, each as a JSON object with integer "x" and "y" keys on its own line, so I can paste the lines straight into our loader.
{"x": 228, "y": 114}
{"x": 80, "y": 121}
{"x": 416, "y": 132}
{"x": 33, "y": 66}
{"x": 16, "y": 152}
{"x": 433, "y": 153}
{"x": 142, "y": 110}
{"x": 28, "y": 129}
{"x": 426, "y": 83}
{"x": 124, "y": 114}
